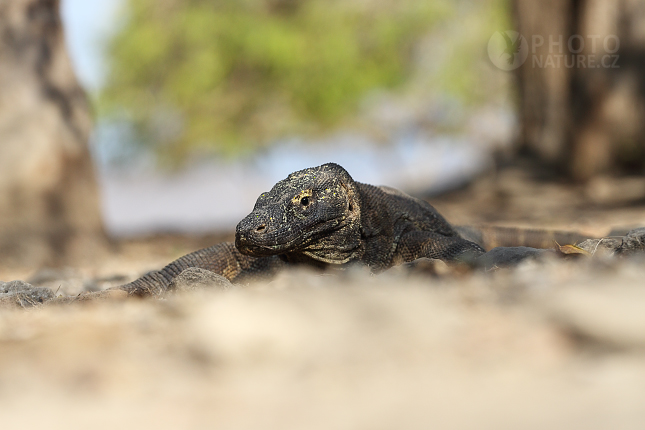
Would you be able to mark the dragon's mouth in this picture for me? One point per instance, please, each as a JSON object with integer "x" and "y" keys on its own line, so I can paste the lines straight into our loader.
{"x": 258, "y": 250}
{"x": 248, "y": 246}
{"x": 331, "y": 256}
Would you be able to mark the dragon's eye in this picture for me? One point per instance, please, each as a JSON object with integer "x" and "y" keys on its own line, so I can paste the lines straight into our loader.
{"x": 304, "y": 201}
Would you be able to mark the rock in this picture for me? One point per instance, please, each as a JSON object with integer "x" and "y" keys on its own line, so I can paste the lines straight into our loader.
{"x": 606, "y": 246}
{"x": 92, "y": 297}
{"x": 197, "y": 279}
{"x": 630, "y": 244}
{"x": 633, "y": 242}
{"x": 508, "y": 256}
{"x": 65, "y": 281}
{"x": 23, "y": 294}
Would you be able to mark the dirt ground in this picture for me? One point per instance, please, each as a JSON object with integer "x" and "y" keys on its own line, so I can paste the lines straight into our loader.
{"x": 552, "y": 344}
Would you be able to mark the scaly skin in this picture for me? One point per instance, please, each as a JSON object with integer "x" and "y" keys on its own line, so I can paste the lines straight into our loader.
{"x": 319, "y": 217}
{"x": 222, "y": 259}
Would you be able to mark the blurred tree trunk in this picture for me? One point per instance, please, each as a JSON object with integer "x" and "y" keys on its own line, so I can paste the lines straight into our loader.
{"x": 49, "y": 207}
{"x": 588, "y": 119}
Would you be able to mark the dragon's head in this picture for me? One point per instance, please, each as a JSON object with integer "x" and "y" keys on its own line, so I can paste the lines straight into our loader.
{"x": 314, "y": 212}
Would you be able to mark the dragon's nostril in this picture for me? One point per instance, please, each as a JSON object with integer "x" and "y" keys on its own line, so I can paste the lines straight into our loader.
{"x": 261, "y": 228}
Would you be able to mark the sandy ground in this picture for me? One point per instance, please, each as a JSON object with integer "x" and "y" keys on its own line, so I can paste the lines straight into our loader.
{"x": 553, "y": 344}
{"x": 532, "y": 348}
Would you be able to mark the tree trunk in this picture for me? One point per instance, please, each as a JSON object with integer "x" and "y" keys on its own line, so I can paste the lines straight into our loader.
{"x": 585, "y": 116}
{"x": 49, "y": 207}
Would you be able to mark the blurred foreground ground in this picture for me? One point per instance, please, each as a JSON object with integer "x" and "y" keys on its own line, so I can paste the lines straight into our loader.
{"x": 551, "y": 345}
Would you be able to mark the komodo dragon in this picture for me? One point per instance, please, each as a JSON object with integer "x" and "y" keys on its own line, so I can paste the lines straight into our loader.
{"x": 319, "y": 217}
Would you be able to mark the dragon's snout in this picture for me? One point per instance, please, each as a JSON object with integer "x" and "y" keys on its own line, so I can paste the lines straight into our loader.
{"x": 252, "y": 231}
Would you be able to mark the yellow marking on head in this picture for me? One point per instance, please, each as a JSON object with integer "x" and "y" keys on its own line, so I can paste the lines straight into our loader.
{"x": 305, "y": 193}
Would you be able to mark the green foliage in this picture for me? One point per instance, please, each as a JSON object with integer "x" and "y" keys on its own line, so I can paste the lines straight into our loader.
{"x": 234, "y": 74}
{"x": 467, "y": 73}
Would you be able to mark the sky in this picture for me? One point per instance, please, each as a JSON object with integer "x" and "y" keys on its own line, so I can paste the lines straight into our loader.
{"x": 87, "y": 25}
